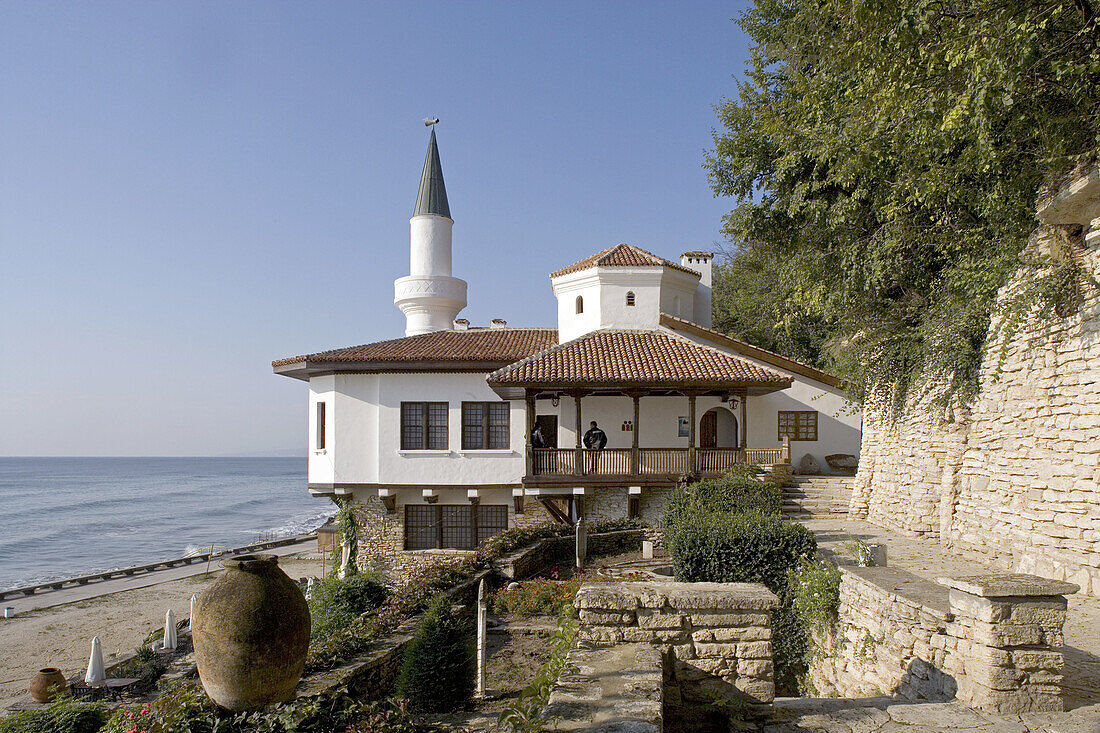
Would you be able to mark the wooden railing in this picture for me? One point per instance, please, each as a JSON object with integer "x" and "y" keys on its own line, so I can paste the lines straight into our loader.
{"x": 764, "y": 455}
{"x": 607, "y": 462}
{"x": 710, "y": 460}
{"x": 662, "y": 460}
{"x": 651, "y": 461}
{"x": 555, "y": 462}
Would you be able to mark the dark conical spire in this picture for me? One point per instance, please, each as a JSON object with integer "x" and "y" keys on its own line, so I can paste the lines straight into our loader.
{"x": 432, "y": 196}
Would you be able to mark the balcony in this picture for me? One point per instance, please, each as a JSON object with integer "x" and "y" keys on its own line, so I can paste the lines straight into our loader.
{"x": 642, "y": 465}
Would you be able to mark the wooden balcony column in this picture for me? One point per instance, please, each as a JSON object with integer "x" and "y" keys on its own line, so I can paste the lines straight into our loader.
{"x": 529, "y": 398}
{"x": 635, "y": 454}
{"x": 579, "y": 447}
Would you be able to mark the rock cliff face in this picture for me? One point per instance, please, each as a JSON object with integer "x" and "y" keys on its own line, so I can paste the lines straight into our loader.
{"x": 1014, "y": 476}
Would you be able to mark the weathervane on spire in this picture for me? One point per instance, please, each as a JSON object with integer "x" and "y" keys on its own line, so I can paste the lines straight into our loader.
{"x": 428, "y": 121}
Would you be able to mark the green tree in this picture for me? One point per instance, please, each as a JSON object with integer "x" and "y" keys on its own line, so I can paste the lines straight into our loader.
{"x": 886, "y": 159}
{"x": 439, "y": 668}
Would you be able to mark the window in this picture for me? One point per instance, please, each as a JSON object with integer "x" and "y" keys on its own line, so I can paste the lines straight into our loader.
{"x": 320, "y": 426}
{"x": 676, "y": 305}
{"x": 452, "y": 526}
{"x": 798, "y": 425}
{"x": 630, "y": 297}
{"x": 485, "y": 425}
{"x": 580, "y": 304}
{"x": 423, "y": 426}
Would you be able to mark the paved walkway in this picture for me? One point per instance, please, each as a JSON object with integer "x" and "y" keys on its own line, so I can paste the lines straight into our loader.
{"x": 72, "y": 594}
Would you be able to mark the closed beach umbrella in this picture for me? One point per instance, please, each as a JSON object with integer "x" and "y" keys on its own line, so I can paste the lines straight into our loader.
{"x": 169, "y": 630}
{"x": 95, "y": 673}
{"x": 191, "y": 614}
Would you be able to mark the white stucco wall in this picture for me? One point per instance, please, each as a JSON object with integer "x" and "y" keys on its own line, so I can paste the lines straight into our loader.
{"x": 604, "y": 290}
{"x": 364, "y": 432}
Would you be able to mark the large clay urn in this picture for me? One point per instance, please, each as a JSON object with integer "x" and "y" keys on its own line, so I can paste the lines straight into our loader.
{"x": 251, "y": 634}
{"x": 47, "y": 684}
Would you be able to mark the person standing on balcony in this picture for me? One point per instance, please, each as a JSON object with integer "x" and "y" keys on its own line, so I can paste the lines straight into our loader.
{"x": 594, "y": 440}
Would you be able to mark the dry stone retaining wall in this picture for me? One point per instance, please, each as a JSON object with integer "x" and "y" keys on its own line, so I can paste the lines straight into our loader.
{"x": 1015, "y": 476}
{"x": 990, "y": 641}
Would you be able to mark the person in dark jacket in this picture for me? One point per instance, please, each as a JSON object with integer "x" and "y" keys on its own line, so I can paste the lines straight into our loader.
{"x": 594, "y": 440}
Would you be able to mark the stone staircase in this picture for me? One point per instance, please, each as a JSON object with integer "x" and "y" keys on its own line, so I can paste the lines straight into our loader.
{"x": 806, "y": 496}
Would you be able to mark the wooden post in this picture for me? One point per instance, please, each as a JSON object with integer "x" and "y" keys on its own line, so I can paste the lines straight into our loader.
{"x": 635, "y": 455}
{"x": 578, "y": 468}
{"x": 582, "y": 543}
{"x": 744, "y": 420}
{"x": 530, "y": 426}
{"x": 482, "y": 630}
{"x": 785, "y": 451}
{"x": 691, "y": 433}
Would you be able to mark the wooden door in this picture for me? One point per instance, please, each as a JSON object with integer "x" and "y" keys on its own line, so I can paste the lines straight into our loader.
{"x": 708, "y": 430}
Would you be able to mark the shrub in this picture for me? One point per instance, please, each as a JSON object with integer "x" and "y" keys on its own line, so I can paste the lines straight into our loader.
{"x": 335, "y": 603}
{"x": 438, "y": 673}
{"x": 733, "y": 492}
{"x": 815, "y": 592}
{"x": 738, "y": 548}
{"x": 63, "y": 715}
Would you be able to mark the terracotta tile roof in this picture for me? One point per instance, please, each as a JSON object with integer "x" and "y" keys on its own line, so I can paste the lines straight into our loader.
{"x": 635, "y": 358}
{"x": 498, "y": 345}
{"x": 769, "y": 357}
{"x": 621, "y": 255}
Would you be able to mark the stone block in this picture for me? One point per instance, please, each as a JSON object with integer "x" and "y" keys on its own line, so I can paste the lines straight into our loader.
{"x": 605, "y": 618}
{"x": 649, "y": 618}
{"x": 718, "y": 596}
{"x": 729, "y": 619}
{"x": 698, "y": 669}
{"x": 1037, "y": 659}
{"x": 737, "y": 633}
{"x": 754, "y": 650}
{"x": 600, "y": 634}
{"x": 760, "y": 669}
{"x": 606, "y": 597}
{"x": 723, "y": 651}
{"x": 999, "y": 585}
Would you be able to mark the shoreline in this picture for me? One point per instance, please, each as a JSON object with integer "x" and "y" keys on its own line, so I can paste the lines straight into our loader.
{"x": 60, "y": 593}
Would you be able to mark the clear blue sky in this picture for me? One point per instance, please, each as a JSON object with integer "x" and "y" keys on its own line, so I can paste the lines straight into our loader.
{"x": 190, "y": 190}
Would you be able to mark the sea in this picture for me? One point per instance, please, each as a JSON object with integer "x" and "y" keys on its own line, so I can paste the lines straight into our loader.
{"x": 61, "y": 517}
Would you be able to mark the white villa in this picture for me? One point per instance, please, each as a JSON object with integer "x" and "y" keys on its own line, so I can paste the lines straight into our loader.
{"x": 431, "y": 435}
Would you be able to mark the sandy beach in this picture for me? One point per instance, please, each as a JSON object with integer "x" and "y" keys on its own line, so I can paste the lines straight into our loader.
{"x": 60, "y": 636}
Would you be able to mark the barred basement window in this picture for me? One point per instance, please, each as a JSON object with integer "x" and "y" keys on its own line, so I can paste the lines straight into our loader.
{"x": 452, "y": 526}
{"x": 798, "y": 425}
{"x": 485, "y": 425}
{"x": 630, "y": 297}
{"x": 423, "y": 426}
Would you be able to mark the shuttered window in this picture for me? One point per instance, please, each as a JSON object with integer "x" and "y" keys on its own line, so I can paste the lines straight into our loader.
{"x": 452, "y": 526}
{"x": 798, "y": 425}
{"x": 423, "y": 426}
{"x": 485, "y": 425}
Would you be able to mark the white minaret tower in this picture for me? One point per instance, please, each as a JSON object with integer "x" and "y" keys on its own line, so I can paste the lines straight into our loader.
{"x": 429, "y": 297}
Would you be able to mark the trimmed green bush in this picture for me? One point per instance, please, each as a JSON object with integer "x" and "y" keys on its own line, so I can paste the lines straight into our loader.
{"x": 738, "y": 548}
{"x": 734, "y": 492}
{"x": 334, "y": 604}
{"x": 63, "y": 715}
{"x": 438, "y": 673}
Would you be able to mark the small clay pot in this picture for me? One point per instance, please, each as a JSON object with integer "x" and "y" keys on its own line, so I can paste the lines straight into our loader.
{"x": 47, "y": 684}
{"x": 251, "y": 634}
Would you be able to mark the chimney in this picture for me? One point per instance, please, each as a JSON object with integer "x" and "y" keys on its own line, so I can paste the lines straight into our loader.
{"x": 461, "y": 324}
{"x": 498, "y": 323}
{"x": 701, "y": 263}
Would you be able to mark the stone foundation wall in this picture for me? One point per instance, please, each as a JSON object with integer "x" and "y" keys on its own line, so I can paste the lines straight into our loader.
{"x": 1015, "y": 476}
{"x": 991, "y": 641}
{"x": 716, "y": 637}
{"x": 889, "y": 639}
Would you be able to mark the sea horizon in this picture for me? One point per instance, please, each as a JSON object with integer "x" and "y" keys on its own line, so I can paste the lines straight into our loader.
{"x": 70, "y": 515}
